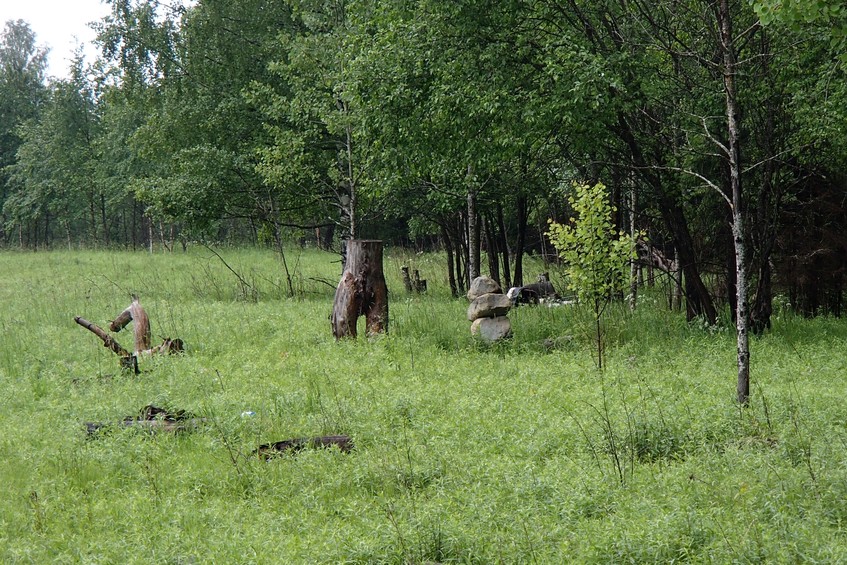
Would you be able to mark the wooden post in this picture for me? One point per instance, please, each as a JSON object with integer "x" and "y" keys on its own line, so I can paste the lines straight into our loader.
{"x": 361, "y": 291}
{"x": 418, "y": 283}
{"x": 407, "y": 280}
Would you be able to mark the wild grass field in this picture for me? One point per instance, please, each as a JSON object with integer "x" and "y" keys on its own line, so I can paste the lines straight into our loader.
{"x": 521, "y": 452}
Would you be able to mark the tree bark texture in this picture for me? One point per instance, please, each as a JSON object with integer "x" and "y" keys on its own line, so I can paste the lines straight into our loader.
{"x": 448, "y": 248}
{"x": 504, "y": 247}
{"x": 522, "y": 203}
{"x": 633, "y": 232}
{"x": 140, "y": 324}
{"x": 493, "y": 253}
{"x": 734, "y": 154}
{"x": 361, "y": 291}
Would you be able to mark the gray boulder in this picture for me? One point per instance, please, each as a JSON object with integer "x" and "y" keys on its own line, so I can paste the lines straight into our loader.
{"x": 492, "y": 329}
{"x": 483, "y": 285}
{"x": 488, "y": 306}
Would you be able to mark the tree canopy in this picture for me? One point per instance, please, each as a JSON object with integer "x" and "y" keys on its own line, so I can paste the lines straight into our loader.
{"x": 460, "y": 126}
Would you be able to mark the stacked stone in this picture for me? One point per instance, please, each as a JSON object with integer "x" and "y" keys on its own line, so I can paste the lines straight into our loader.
{"x": 488, "y": 310}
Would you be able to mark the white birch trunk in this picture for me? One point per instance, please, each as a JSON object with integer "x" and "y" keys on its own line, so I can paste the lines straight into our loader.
{"x": 734, "y": 153}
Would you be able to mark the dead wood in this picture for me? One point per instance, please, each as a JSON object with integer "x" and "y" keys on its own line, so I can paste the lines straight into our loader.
{"x": 268, "y": 450}
{"x": 418, "y": 283}
{"x": 412, "y": 283}
{"x": 152, "y": 418}
{"x": 407, "y": 280}
{"x": 140, "y": 324}
{"x": 168, "y": 346}
{"x": 362, "y": 291}
{"x": 108, "y": 341}
{"x": 136, "y": 314}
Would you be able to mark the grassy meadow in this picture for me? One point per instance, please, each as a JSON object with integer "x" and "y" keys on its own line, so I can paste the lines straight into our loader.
{"x": 520, "y": 452}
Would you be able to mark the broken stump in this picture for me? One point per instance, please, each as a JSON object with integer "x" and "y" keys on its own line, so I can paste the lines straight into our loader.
{"x": 361, "y": 291}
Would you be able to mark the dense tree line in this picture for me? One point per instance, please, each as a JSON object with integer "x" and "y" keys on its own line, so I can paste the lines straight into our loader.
{"x": 457, "y": 124}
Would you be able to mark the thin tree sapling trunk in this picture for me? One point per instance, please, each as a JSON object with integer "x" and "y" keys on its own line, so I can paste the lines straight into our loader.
{"x": 734, "y": 155}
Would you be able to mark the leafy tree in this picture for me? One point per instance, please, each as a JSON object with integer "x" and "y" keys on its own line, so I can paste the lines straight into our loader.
{"x": 449, "y": 101}
{"x": 831, "y": 14}
{"x": 596, "y": 255}
{"x": 22, "y": 91}
{"x": 316, "y": 157}
{"x": 54, "y": 173}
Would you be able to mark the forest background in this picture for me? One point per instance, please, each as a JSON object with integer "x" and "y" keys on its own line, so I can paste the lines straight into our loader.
{"x": 453, "y": 125}
{"x": 719, "y": 128}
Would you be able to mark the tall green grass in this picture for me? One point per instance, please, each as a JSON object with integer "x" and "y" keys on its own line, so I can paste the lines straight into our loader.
{"x": 518, "y": 452}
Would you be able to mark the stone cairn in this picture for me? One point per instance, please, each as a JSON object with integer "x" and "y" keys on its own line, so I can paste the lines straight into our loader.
{"x": 488, "y": 310}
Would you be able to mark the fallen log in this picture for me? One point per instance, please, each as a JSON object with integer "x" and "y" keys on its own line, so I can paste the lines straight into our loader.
{"x": 168, "y": 345}
{"x": 152, "y": 425}
{"x": 153, "y": 419}
{"x": 268, "y": 450}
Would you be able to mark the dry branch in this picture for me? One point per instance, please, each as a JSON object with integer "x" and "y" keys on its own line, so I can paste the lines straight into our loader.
{"x": 141, "y": 330}
{"x": 108, "y": 341}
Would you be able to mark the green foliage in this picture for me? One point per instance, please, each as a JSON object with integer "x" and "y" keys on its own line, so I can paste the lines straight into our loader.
{"x": 832, "y": 14}
{"x": 22, "y": 90}
{"x": 596, "y": 255}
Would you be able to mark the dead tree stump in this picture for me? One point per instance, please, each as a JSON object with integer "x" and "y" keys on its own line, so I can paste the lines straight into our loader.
{"x": 140, "y": 325}
{"x": 361, "y": 291}
{"x": 407, "y": 280}
{"x": 141, "y": 331}
{"x": 417, "y": 284}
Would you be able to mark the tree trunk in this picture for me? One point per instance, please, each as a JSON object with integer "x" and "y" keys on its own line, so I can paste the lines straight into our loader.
{"x": 504, "y": 246}
{"x": 764, "y": 232}
{"x": 522, "y": 203}
{"x": 493, "y": 251}
{"x": 462, "y": 256}
{"x": 697, "y": 298}
{"x": 448, "y": 248}
{"x": 361, "y": 291}
{"x": 473, "y": 231}
{"x": 633, "y": 263}
{"x": 734, "y": 155}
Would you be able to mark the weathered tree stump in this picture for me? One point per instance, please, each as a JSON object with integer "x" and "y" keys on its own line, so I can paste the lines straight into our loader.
{"x": 407, "y": 280}
{"x": 140, "y": 324}
{"x": 417, "y": 284}
{"x": 361, "y": 291}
